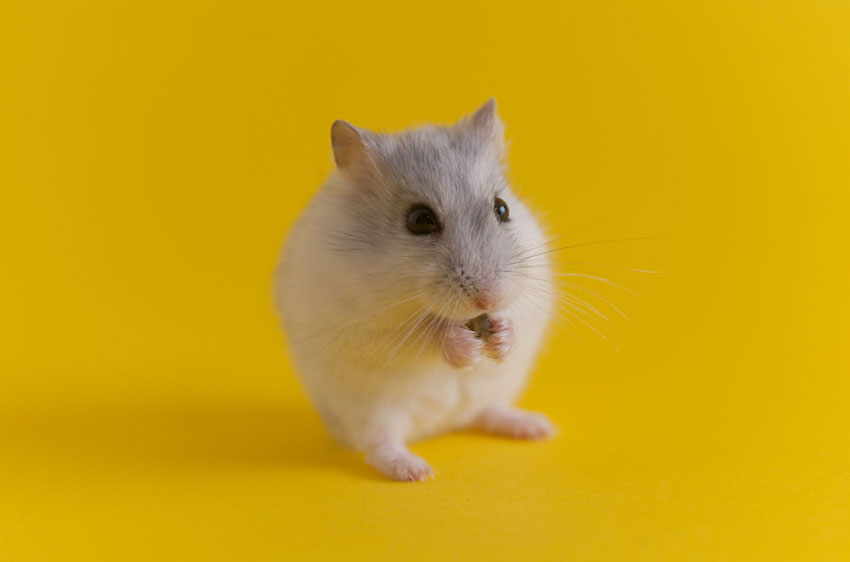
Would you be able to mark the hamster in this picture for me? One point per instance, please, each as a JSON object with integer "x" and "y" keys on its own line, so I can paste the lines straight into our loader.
{"x": 415, "y": 291}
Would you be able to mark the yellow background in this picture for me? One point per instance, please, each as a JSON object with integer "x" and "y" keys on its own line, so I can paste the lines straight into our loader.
{"x": 154, "y": 154}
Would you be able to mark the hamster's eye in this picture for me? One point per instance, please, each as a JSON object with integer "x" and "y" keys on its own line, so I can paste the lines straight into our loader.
{"x": 502, "y": 211}
{"x": 422, "y": 220}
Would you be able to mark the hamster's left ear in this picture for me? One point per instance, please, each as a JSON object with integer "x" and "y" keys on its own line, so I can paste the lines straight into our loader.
{"x": 486, "y": 125}
{"x": 353, "y": 156}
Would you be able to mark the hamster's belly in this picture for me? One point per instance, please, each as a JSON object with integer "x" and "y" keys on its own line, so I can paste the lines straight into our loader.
{"x": 444, "y": 399}
{"x": 427, "y": 400}
{"x": 449, "y": 400}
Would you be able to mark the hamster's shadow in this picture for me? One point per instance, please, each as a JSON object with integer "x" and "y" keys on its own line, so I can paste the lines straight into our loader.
{"x": 284, "y": 436}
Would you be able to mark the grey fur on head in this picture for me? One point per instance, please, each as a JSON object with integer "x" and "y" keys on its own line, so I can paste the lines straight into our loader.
{"x": 457, "y": 171}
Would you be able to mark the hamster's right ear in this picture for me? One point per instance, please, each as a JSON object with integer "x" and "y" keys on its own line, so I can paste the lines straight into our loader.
{"x": 353, "y": 157}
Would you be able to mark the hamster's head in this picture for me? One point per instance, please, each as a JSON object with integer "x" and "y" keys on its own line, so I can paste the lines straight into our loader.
{"x": 427, "y": 215}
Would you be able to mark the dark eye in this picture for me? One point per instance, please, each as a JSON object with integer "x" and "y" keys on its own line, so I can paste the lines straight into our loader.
{"x": 422, "y": 220}
{"x": 502, "y": 211}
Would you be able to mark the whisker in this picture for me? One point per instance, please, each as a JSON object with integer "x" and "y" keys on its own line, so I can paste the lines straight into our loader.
{"x": 594, "y": 243}
{"x": 574, "y": 307}
{"x": 600, "y": 279}
{"x": 611, "y": 266}
{"x": 573, "y": 232}
{"x": 587, "y": 324}
{"x": 436, "y": 322}
{"x": 603, "y": 299}
{"x": 584, "y": 304}
{"x": 422, "y": 314}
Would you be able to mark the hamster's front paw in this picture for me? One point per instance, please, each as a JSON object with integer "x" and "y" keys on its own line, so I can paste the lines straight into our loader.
{"x": 461, "y": 347}
{"x": 500, "y": 341}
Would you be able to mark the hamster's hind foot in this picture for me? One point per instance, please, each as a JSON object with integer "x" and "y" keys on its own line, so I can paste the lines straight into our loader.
{"x": 396, "y": 462}
{"x": 515, "y": 423}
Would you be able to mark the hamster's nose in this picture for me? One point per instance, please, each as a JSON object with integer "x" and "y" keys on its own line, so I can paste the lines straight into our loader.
{"x": 486, "y": 299}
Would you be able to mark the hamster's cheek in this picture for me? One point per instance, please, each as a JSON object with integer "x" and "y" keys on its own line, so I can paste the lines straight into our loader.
{"x": 513, "y": 289}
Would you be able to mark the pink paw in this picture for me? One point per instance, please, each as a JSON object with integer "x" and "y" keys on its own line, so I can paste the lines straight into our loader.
{"x": 461, "y": 348}
{"x": 396, "y": 462}
{"x": 501, "y": 339}
{"x": 516, "y": 423}
{"x": 532, "y": 426}
{"x": 410, "y": 469}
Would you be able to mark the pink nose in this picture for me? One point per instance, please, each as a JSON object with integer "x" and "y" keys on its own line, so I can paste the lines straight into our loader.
{"x": 486, "y": 299}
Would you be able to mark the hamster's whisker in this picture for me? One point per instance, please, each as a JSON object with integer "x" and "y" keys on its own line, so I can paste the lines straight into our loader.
{"x": 403, "y": 301}
{"x": 545, "y": 263}
{"x": 577, "y": 308}
{"x": 544, "y": 244}
{"x": 527, "y": 272}
{"x": 424, "y": 334}
{"x": 590, "y": 225}
{"x": 424, "y": 330}
{"x": 414, "y": 326}
{"x": 542, "y": 302}
{"x": 436, "y": 322}
{"x": 423, "y": 315}
{"x": 610, "y": 266}
{"x": 430, "y": 330}
{"x": 590, "y": 323}
{"x": 321, "y": 324}
{"x": 603, "y": 299}
{"x": 579, "y": 230}
{"x": 574, "y": 299}
{"x": 591, "y": 313}
{"x": 572, "y": 233}
{"x": 601, "y": 280}
{"x": 584, "y": 305}
{"x": 374, "y": 313}
{"x": 592, "y": 243}
{"x": 569, "y": 311}
{"x": 555, "y": 290}
{"x": 406, "y": 329}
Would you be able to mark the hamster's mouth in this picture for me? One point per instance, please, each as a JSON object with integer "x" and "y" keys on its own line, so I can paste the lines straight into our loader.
{"x": 482, "y": 326}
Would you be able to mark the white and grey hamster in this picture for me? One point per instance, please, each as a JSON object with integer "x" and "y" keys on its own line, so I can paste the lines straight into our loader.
{"x": 415, "y": 291}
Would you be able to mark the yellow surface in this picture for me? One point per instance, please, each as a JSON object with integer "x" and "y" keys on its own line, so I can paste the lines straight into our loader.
{"x": 154, "y": 154}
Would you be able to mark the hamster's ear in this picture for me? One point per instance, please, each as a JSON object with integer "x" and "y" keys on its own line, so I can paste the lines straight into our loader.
{"x": 353, "y": 157}
{"x": 486, "y": 125}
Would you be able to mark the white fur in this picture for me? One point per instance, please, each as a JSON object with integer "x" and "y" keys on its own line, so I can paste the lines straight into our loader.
{"x": 346, "y": 308}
